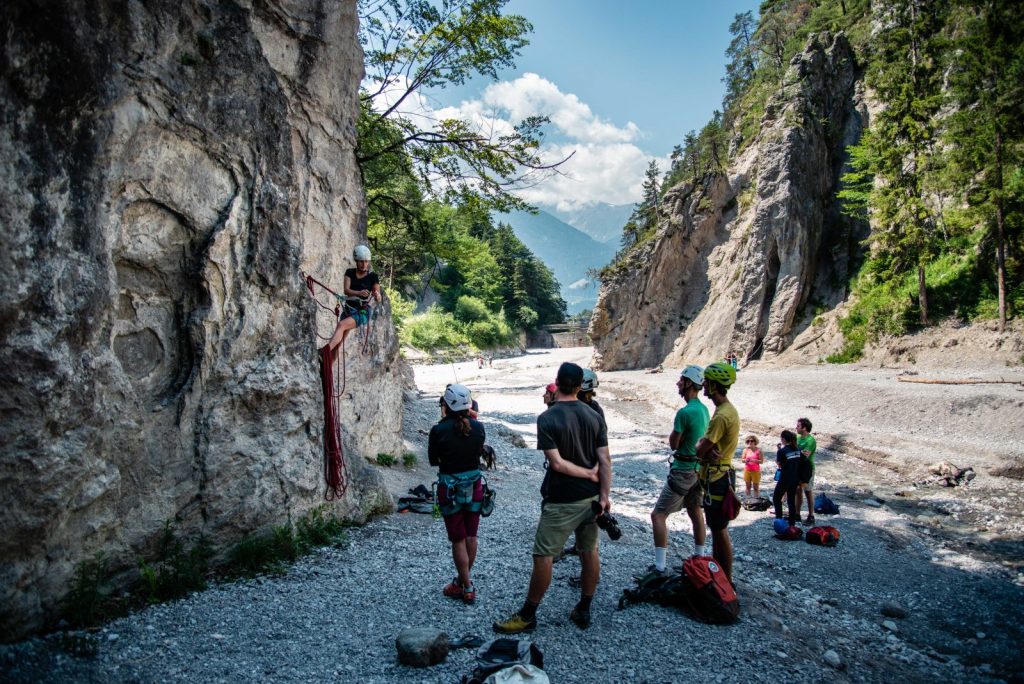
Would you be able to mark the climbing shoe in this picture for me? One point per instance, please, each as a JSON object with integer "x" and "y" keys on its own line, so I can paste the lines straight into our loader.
{"x": 469, "y": 594}
{"x": 580, "y": 617}
{"x": 809, "y": 520}
{"x": 515, "y": 625}
{"x": 454, "y": 590}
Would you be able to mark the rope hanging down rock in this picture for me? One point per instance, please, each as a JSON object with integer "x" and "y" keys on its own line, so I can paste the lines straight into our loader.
{"x": 334, "y": 455}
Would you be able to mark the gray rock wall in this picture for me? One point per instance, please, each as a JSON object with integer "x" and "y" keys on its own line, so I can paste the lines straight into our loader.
{"x": 168, "y": 168}
{"x": 739, "y": 257}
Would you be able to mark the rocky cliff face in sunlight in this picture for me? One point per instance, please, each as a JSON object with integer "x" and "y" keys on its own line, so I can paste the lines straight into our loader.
{"x": 740, "y": 258}
{"x": 168, "y": 169}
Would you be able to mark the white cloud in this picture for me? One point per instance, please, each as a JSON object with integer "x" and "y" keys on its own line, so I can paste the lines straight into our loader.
{"x": 605, "y": 165}
{"x": 531, "y": 95}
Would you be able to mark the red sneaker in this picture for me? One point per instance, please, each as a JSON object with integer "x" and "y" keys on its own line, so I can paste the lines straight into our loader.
{"x": 454, "y": 590}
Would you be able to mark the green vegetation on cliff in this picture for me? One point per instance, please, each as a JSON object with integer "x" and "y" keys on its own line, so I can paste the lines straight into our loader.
{"x": 939, "y": 174}
{"x": 430, "y": 187}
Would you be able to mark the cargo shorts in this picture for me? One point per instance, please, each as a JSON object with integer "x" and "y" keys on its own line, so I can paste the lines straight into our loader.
{"x": 559, "y": 520}
{"x": 682, "y": 490}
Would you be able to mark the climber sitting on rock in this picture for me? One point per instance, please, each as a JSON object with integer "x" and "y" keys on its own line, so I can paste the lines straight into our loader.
{"x": 360, "y": 285}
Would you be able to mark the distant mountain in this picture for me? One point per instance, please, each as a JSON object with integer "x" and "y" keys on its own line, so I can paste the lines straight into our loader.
{"x": 566, "y": 251}
{"x": 603, "y": 222}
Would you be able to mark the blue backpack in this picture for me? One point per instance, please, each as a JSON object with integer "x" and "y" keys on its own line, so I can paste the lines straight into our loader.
{"x": 825, "y": 505}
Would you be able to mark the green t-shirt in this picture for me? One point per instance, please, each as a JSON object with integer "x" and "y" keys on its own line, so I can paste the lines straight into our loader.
{"x": 724, "y": 431}
{"x": 809, "y": 444}
{"x": 691, "y": 423}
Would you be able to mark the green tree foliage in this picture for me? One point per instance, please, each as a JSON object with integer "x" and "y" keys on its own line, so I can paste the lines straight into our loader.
{"x": 529, "y": 291}
{"x": 899, "y": 151}
{"x": 740, "y": 68}
{"x": 413, "y": 45}
{"x": 431, "y": 184}
{"x": 644, "y": 219}
{"x": 985, "y": 135}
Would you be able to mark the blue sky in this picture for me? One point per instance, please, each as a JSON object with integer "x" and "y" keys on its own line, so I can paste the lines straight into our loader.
{"x": 623, "y": 82}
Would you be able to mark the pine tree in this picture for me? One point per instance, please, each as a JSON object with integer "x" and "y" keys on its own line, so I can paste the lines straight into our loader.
{"x": 986, "y": 134}
{"x": 899, "y": 151}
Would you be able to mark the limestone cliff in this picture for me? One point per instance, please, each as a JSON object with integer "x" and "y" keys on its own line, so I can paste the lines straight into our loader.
{"x": 168, "y": 168}
{"x": 738, "y": 256}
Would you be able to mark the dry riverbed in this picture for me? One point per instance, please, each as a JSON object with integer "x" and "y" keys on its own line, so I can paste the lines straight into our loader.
{"x": 948, "y": 559}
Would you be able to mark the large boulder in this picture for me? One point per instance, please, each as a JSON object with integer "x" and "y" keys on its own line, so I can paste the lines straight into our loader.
{"x": 168, "y": 169}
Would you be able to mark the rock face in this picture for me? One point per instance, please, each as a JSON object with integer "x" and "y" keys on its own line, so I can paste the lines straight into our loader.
{"x": 739, "y": 256}
{"x": 168, "y": 169}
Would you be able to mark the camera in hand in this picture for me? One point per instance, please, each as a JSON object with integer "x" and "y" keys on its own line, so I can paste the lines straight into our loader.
{"x": 605, "y": 521}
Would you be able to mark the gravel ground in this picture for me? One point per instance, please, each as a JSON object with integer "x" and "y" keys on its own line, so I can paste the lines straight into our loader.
{"x": 334, "y": 615}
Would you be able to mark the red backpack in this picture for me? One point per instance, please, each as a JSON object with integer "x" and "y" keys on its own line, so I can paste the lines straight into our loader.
{"x": 709, "y": 596}
{"x": 825, "y": 535}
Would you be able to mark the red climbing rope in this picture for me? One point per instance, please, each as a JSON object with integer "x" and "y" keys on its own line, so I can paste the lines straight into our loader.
{"x": 334, "y": 455}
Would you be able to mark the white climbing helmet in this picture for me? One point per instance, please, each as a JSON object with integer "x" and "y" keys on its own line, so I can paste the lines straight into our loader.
{"x": 458, "y": 397}
{"x": 361, "y": 253}
{"x": 590, "y": 382}
{"x": 694, "y": 374}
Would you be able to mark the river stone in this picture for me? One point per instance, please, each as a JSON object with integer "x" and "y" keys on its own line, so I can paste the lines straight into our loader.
{"x": 889, "y": 625}
{"x": 833, "y": 659}
{"x": 894, "y": 610}
{"x": 421, "y": 646}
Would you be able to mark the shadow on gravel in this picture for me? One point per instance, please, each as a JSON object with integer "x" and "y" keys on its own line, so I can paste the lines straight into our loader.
{"x": 951, "y": 611}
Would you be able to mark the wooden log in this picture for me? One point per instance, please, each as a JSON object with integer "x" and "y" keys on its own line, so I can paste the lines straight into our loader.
{"x": 929, "y": 381}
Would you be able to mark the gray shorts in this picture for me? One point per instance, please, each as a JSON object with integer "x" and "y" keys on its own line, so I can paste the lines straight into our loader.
{"x": 682, "y": 490}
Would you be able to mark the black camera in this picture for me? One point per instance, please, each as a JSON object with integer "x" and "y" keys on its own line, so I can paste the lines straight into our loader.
{"x": 605, "y": 521}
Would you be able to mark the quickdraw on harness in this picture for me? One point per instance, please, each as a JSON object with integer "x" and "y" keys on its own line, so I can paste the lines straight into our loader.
{"x": 334, "y": 456}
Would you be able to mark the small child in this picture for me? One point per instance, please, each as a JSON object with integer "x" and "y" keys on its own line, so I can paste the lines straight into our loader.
{"x": 788, "y": 459}
{"x": 752, "y": 460}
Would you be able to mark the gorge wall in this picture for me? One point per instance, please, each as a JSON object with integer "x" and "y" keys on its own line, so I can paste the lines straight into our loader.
{"x": 739, "y": 258}
{"x": 168, "y": 168}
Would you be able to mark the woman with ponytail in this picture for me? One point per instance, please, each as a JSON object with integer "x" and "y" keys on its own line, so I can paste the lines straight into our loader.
{"x": 454, "y": 447}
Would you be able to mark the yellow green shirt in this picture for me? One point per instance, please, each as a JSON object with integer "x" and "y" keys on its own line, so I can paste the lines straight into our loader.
{"x": 724, "y": 431}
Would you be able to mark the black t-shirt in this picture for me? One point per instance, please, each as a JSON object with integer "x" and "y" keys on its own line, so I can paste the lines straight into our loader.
{"x": 577, "y": 431}
{"x": 597, "y": 407}
{"x": 455, "y": 453}
{"x": 365, "y": 283}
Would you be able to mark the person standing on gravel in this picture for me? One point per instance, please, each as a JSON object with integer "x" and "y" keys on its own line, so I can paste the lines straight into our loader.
{"x": 808, "y": 445}
{"x": 715, "y": 451}
{"x": 454, "y": 445}
{"x": 683, "y": 490}
{"x": 574, "y": 440}
{"x": 587, "y": 389}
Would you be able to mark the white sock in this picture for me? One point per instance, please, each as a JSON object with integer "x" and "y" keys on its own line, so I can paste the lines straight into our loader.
{"x": 698, "y": 549}
{"x": 659, "y": 557}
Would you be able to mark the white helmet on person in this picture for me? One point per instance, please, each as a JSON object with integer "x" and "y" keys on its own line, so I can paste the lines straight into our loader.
{"x": 361, "y": 253}
{"x": 590, "y": 382}
{"x": 458, "y": 397}
{"x": 694, "y": 374}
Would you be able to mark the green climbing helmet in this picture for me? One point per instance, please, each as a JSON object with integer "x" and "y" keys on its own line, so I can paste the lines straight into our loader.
{"x": 721, "y": 372}
{"x": 590, "y": 382}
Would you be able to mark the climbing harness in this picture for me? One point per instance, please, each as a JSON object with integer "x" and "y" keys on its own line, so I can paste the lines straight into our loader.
{"x": 334, "y": 456}
{"x": 459, "y": 490}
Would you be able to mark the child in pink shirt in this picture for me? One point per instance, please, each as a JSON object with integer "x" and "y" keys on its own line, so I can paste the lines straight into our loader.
{"x": 752, "y": 460}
